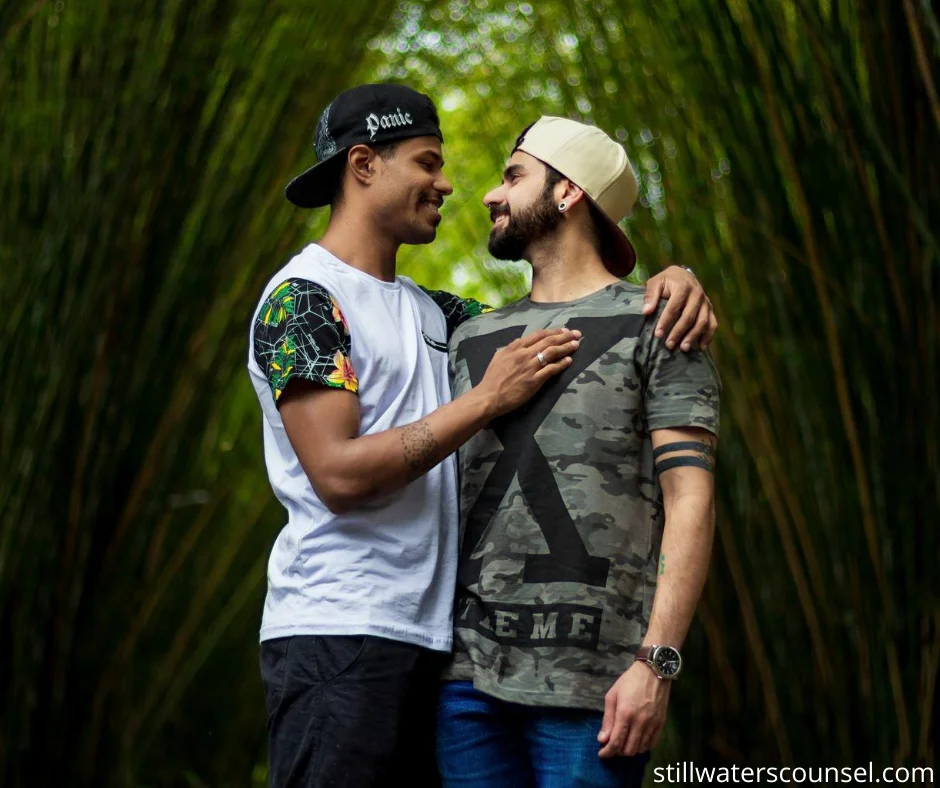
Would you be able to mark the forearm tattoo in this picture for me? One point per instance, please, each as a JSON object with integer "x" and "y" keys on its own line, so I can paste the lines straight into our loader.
{"x": 662, "y": 564}
{"x": 695, "y": 454}
{"x": 420, "y": 449}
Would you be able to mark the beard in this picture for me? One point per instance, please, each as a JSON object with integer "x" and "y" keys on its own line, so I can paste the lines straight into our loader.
{"x": 530, "y": 224}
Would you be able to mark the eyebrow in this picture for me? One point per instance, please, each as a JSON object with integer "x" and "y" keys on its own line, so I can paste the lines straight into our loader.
{"x": 433, "y": 154}
{"x": 513, "y": 169}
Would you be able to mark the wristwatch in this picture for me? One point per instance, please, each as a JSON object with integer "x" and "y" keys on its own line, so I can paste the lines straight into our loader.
{"x": 688, "y": 269}
{"x": 664, "y": 661}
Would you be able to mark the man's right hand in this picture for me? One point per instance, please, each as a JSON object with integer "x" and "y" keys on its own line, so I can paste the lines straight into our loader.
{"x": 515, "y": 372}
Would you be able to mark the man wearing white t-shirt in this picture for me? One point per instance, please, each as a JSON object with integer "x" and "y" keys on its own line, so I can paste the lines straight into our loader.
{"x": 349, "y": 362}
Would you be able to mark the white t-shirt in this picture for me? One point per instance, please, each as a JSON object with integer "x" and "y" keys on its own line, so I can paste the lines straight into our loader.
{"x": 387, "y": 567}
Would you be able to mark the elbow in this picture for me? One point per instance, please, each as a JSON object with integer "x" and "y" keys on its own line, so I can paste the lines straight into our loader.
{"x": 335, "y": 504}
{"x": 340, "y": 496}
{"x": 341, "y": 504}
{"x": 334, "y": 498}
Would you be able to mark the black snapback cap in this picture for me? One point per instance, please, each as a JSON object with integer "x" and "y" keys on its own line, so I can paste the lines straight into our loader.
{"x": 364, "y": 115}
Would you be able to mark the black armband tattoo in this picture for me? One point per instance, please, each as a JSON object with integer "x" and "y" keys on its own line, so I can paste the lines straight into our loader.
{"x": 703, "y": 456}
{"x": 685, "y": 462}
{"x": 420, "y": 449}
{"x": 698, "y": 446}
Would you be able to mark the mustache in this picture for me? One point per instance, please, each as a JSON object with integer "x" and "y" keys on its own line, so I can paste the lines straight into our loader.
{"x": 498, "y": 210}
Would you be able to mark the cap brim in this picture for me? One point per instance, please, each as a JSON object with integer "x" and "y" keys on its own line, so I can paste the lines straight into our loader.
{"x": 618, "y": 253}
{"x": 314, "y": 188}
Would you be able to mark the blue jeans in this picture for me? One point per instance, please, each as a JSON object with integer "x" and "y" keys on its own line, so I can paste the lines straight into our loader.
{"x": 483, "y": 742}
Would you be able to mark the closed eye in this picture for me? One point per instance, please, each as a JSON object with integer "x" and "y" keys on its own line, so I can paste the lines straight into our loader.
{"x": 512, "y": 173}
{"x": 430, "y": 160}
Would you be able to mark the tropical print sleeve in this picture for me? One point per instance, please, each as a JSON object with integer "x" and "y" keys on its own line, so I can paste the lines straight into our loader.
{"x": 456, "y": 309}
{"x": 300, "y": 333}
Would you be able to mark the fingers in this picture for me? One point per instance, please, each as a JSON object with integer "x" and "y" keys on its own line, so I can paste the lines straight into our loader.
{"x": 555, "y": 340}
{"x": 698, "y": 330}
{"x": 654, "y": 291}
{"x": 607, "y": 724}
{"x": 530, "y": 340}
{"x": 536, "y": 336}
{"x": 686, "y": 319}
{"x": 550, "y": 370}
{"x": 618, "y": 735}
{"x": 552, "y": 349}
{"x": 671, "y": 313}
{"x": 556, "y": 356}
{"x": 652, "y": 739}
{"x": 610, "y": 717}
{"x": 712, "y": 328}
{"x": 636, "y": 737}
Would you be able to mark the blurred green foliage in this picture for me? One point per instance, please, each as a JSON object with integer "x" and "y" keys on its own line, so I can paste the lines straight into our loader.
{"x": 786, "y": 150}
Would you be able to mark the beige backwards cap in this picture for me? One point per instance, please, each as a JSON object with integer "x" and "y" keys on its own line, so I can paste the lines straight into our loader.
{"x": 599, "y": 166}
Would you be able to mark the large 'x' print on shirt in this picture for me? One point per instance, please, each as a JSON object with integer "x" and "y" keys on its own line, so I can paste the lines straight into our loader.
{"x": 561, "y": 512}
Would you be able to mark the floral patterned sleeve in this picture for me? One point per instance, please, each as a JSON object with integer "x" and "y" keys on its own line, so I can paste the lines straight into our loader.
{"x": 456, "y": 309}
{"x": 300, "y": 333}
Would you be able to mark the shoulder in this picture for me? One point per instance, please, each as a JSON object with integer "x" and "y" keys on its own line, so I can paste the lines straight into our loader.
{"x": 449, "y": 301}
{"x": 304, "y": 273}
{"x": 292, "y": 296}
{"x": 422, "y": 294}
{"x": 456, "y": 309}
{"x": 624, "y": 301}
{"x": 628, "y": 297}
{"x": 301, "y": 333}
{"x": 490, "y": 320}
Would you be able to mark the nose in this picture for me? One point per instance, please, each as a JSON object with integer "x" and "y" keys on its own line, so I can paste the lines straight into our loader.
{"x": 443, "y": 186}
{"x": 493, "y": 197}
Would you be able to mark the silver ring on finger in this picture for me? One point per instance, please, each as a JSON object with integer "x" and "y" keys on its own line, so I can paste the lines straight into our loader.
{"x": 541, "y": 358}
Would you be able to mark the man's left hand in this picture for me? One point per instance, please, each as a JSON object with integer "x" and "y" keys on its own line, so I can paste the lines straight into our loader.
{"x": 688, "y": 311}
{"x": 634, "y": 712}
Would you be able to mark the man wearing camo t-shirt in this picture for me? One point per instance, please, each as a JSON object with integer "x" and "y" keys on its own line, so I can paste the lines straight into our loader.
{"x": 586, "y": 514}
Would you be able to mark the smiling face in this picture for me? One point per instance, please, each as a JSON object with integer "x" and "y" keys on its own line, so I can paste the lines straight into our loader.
{"x": 522, "y": 208}
{"x": 409, "y": 190}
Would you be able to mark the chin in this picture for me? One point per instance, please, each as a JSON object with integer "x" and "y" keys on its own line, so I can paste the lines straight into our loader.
{"x": 501, "y": 250}
{"x": 420, "y": 237}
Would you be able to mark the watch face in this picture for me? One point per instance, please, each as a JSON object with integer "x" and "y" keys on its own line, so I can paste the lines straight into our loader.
{"x": 667, "y": 660}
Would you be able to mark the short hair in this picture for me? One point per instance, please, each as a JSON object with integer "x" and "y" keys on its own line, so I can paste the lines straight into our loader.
{"x": 386, "y": 152}
{"x": 552, "y": 177}
{"x": 597, "y": 223}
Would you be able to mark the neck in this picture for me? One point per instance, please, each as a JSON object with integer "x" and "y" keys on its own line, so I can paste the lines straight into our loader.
{"x": 566, "y": 267}
{"x": 354, "y": 240}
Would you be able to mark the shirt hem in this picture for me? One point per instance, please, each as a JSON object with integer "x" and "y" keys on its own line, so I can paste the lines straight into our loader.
{"x": 538, "y": 698}
{"x": 444, "y": 644}
{"x": 678, "y": 422}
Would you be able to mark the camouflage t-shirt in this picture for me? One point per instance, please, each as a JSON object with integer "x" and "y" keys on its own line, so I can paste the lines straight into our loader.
{"x": 561, "y": 511}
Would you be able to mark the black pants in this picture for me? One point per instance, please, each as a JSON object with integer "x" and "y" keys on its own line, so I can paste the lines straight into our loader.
{"x": 350, "y": 712}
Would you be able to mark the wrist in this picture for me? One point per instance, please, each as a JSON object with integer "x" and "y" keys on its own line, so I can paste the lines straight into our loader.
{"x": 664, "y": 661}
{"x": 648, "y": 675}
{"x": 483, "y": 405}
